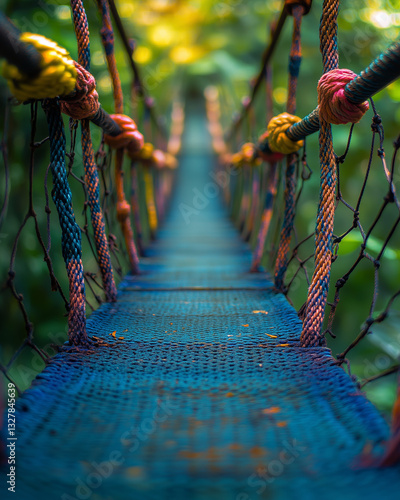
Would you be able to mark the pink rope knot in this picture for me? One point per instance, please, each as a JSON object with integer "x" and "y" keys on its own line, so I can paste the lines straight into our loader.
{"x": 84, "y": 101}
{"x": 334, "y": 107}
{"x": 130, "y": 138}
{"x": 159, "y": 159}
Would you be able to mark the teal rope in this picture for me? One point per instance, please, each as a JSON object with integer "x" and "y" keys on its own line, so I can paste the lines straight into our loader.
{"x": 71, "y": 233}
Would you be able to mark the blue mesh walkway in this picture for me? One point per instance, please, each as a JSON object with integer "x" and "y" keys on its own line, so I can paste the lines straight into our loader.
{"x": 208, "y": 394}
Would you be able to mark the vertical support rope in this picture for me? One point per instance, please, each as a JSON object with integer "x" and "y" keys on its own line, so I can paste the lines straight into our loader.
{"x": 272, "y": 182}
{"x": 150, "y": 201}
{"x": 290, "y": 177}
{"x": 91, "y": 173}
{"x": 318, "y": 291}
{"x": 123, "y": 207}
{"x": 71, "y": 233}
{"x": 134, "y": 199}
{"x": 266, "y": 216}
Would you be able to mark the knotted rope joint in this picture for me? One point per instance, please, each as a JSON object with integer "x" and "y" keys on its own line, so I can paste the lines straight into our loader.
{"x": 130, "y": 138}
{"x": 278, "y": 141}
{"x": 334, "y": 107}
{"x": 57, "y": 75}
{"x": 83, "y": 102}
{"x": 290, "y": 4}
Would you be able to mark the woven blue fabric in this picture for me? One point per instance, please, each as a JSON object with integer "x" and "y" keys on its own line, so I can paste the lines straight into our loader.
{"x": 208, "y": 396}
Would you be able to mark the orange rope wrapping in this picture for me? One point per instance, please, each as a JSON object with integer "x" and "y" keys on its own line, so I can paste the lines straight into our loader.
{"x": 130, "y": 138}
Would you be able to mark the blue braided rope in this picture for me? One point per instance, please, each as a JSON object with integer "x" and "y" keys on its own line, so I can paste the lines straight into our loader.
{"x": 81, "y": 32}
{"x": 71, "y": 233}
{"x": 306, "y": 126}
{"x": 288, "y": 221}
{"x": 290, "y": 174}
{"x": 378, "y": 75}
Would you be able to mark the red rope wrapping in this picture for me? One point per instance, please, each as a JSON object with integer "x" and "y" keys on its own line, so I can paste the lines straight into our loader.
{"x": 333, "y": 105}
{"x": 268, "y": 157}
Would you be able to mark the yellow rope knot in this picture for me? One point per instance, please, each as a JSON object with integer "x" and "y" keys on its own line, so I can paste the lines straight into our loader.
{"x": 278, "y": 141}
{"x": 144, "y": 154}
{"x": 57, "y": 75}
{"x": 171, "y": 162}
{"x": 247, "y": 156}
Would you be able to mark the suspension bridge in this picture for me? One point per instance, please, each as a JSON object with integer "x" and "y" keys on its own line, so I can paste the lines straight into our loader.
{"x": 195, "y": 378}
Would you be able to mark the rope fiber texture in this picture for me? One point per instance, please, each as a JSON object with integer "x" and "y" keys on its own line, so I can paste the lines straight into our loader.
{"x": 334, "y": 107}
{"x": 291, "y": 160}
{"x": 83, "y": 109}
{"x": 317, "y": 294}
{"x": 71, "y": 233}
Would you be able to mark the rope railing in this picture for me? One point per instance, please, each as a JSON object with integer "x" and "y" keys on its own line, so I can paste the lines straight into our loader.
{"x": 63, "y": 85}
{"x": 342, "y": 97}
{"x": 378, "y": 75}
{"x": 28, "y": 62}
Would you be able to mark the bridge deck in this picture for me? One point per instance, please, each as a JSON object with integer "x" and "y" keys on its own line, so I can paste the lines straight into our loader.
{"x": 208, "y": 395}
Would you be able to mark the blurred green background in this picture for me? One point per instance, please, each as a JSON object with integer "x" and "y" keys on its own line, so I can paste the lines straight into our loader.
{"x": 184, "y": 46}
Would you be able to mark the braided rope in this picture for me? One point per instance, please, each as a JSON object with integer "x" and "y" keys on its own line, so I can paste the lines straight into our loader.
{"x": 91, "y": 173}
{"x": 123, "y": 213}
{"x": 123, "y": 207}
{"x": 134, "y": 199}
{"x": 318, "y": 291}
{"x": 272, "y": 179}
{"x": 290, "y": 175}
{"x": 81, "y": 32}
{"x": 71, "y": 233}
{"x": 150, "y": 202}
{"x": 266, "y": 216}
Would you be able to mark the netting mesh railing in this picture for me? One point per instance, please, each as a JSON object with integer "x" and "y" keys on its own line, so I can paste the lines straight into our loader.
{"x": 271, "y": 181}
{"x": 81, "y": 175}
